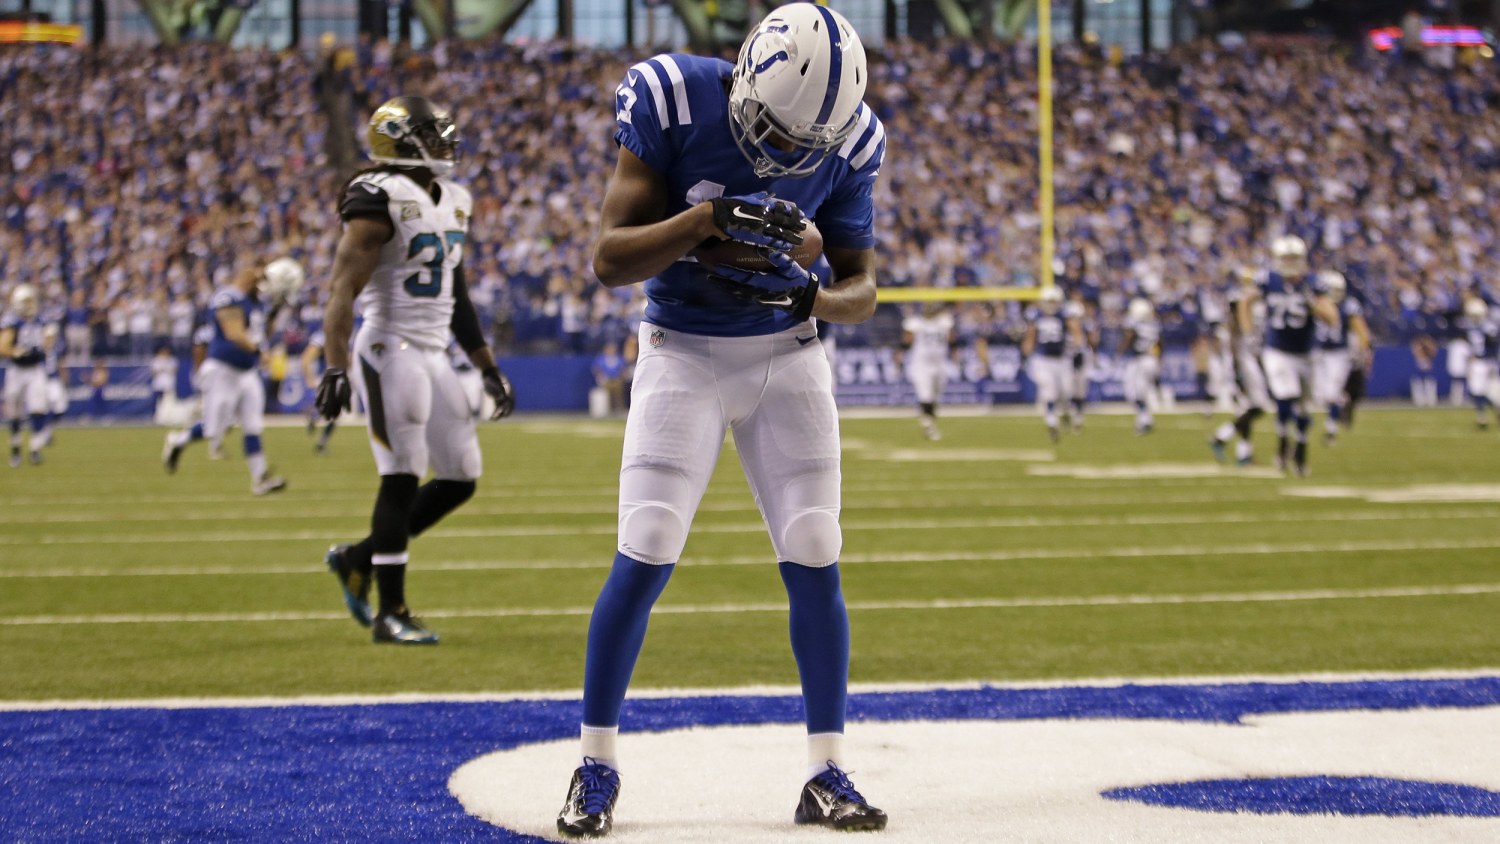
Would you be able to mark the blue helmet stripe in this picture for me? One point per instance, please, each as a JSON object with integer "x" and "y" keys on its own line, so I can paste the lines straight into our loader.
{"x": 835, "y": 67}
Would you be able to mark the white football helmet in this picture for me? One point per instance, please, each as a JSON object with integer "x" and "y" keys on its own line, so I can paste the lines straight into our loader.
{"x": 23, "y": 301}
{"x": 800, "y": 76}
{"x": 1475, "y": 308}
{"x": 1140, "y": 310}
{"x": 282, "y": 278}
{"x": 1051, "y": 299}
{"x": 1332, "y": 284}
{"x": 1289, "y": 255}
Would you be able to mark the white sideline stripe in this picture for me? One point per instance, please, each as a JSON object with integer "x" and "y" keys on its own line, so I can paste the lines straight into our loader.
{"x": 780, "y": 606}
{"x": 1250, "y": 549}
{"x": 744, "y": 691}
{"x": 757, "y": 526}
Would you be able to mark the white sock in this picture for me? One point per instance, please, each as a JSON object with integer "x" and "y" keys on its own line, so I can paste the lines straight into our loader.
{"x": 1242, "y": 450}
{"x": 1225, "y": 432}
{"x": 823, "y": 748}
{"x": 598, "y": 744}
{"x": 257, "y": 463}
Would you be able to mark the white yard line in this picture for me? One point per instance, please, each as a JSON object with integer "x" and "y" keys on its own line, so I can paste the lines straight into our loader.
{"x": 780, "y": 606}
{"x": 996, "y": 522}
{"x": 993, "y": 555}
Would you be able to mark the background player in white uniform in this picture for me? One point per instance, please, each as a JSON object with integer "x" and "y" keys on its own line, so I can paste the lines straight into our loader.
{"x": 701, "y": 141}
{"x": 1331, "y": 357}
{"x": 1482, "y": 333}
{"x": 25, "y": 340}
{"x": 312, "y": 364}
{"x": 1251, "y": 399}
{"x": 1049, "y": 335}
{"x": 1080, "y": 353}
{"x": 401, "y": 253}
{"x": 1141, "y": 348}
{"x": 928, "y": 338}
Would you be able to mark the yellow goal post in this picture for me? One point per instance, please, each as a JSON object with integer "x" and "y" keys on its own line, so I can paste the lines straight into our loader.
{"x": 1046, "y": 201}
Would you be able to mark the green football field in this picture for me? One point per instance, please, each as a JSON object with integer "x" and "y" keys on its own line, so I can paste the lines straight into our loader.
{"x": 988, "y": 556}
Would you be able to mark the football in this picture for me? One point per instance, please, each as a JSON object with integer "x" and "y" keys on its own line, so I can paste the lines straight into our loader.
{"x": 732, "y": 253}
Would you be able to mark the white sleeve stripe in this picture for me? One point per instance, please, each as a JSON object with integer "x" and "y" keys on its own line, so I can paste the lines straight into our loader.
{"x": 679, "y": 88}
{"x": 859, "y": 131}
{"x": 654, "y": 83}
{"x": 870, "y": 148}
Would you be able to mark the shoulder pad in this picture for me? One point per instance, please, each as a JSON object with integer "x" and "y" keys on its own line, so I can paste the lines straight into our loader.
{"x": 365, "y": 196}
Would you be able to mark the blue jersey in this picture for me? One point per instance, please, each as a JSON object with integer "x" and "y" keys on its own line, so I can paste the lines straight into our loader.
{"x": 220, "y": 348}
{"x": 672, "y": 112}
{"x": 1289, "y": 318}
{"x": 29, "y": 340}
{"x": 1483, "y": 337}
{"x": 1051, "y": 332}
{"x": 1145, "y": 335}
{"x": 1335, "y": 338}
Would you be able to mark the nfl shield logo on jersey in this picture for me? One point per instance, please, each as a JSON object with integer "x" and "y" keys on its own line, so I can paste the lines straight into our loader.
{"x": 658, "y": 337}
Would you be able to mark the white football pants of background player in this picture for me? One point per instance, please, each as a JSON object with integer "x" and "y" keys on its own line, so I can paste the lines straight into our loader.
{"x": 1482, "y": 377}
{"x": 1141, "y": 374}
{"x": 418, "y": 412}
{"x": 1288, "y": 377}
{"x": 233, "y": 395}
{"x": 1053, "y": 377}
{"x": 26, "y": 396}
{"x": 1330, "y": 368}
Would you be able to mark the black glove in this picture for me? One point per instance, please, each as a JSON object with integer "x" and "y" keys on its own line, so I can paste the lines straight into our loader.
{"x": 759, "y": 220}
{"x": 30, "y": 357}
{"x": 498, "y": 387}
{"x": 333, "y": 393}
{"x": 786, "y": 286}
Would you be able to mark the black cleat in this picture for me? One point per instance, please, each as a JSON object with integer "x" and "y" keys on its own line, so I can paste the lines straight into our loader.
{"x": 1299, "y": 459}
{"x": 400, "y": 628}
{"x": 15, "y": 458}
{"x": 590, "y": 809}
{"x": 829, "y": 799}
{"x": 36, "y": 457}
{"x": 171, "y": 452}
{"x": 355, "y": 584}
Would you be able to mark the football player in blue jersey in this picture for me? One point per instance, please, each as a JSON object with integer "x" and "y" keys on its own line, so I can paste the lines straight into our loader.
{"x": 1481, "y": 327}
{"x": 1049, "y": 336}
{"x": 703, "y": 143}
{"x": 230, "y": 379}
{"x": 1292, "y": 304}
{"x": 1331, "y": 358}
{"x": 25, "y": 340}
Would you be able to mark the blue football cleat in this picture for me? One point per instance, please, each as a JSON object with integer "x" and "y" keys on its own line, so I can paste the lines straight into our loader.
{"x": 590, "y": 809}
{"x": 830, "y": 799}
{"x": 355, "y": 585}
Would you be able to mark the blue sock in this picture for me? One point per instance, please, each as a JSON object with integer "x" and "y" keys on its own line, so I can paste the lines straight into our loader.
{"x": 15, "y": 427}
{"x": 1303, "y": 420}
{"x": 252, "y": 444}
{"x": 616, "y": 632}
{"x": 820, "y": 642}
{"x": 38, "y": 422}
{"x": 196, "y": 432}
{"x": 1284, "y": 411}
{"x": 1334, "y": 412}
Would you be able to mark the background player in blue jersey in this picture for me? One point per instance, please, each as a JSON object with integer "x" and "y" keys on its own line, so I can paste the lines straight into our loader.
{"x": 230, "y": 379}
{"x": 1292, "y": 304}
{"x": 1481, "y": 326}
{"x": 1331, "y": 357}
{"x": 701, "y": 143}
{"x": 1049, "y": 336}
{"x": 25, "y": 342}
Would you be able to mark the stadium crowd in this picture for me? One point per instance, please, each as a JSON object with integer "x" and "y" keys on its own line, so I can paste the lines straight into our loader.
{"x": 138, "y": 178}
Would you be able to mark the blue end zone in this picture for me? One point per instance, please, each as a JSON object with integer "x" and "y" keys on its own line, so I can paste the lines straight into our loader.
{"x": 380, "y": 772}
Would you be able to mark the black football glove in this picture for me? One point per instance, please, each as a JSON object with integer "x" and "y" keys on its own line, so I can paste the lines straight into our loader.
{"x": 786, "y": 286}
{"x": 333, "y": 393}
{"x": 498, "y": 387}
{"x": 759, "y": 220}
